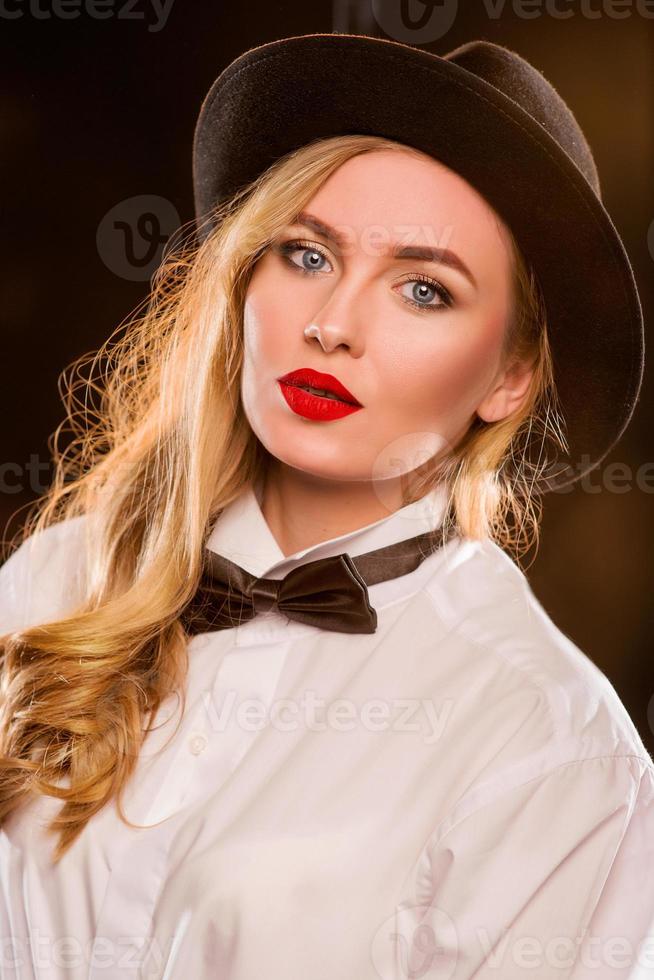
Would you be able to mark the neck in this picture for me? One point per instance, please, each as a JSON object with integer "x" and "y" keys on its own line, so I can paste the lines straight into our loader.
{"x": 303, "y": 510}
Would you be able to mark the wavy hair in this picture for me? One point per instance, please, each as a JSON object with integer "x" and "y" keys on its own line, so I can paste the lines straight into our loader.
{"x": 160, "y": 445}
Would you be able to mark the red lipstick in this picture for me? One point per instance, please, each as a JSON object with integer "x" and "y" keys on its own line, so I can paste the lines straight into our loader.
{"x": 330, "y": 400}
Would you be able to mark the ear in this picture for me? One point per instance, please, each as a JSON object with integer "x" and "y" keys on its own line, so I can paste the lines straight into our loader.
{"x": 508, "y": 392}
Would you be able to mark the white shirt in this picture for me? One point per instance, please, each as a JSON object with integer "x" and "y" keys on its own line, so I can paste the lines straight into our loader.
{"x": 461, "y": 793}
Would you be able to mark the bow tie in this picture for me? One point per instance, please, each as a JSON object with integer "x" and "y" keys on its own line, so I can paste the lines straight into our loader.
{"x": 331, "y": 593}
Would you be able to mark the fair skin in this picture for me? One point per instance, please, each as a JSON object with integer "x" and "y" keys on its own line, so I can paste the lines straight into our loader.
{"x": 422, "y": 374}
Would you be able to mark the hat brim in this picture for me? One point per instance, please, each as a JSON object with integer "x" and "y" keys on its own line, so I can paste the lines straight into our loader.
{"x": 282, "y": 95}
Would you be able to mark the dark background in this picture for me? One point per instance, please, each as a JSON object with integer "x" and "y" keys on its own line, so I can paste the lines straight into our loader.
{"x": 97, "y": 111}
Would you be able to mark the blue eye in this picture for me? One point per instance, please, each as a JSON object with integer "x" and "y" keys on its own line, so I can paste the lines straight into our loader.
{"x": 313, "y": 256}
{"x": 286, "y": 249}
{"x": 425, "y": 284}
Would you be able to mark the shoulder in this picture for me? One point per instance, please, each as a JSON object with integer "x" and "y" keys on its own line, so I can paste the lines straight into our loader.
{"x": 484, "y": 599}
{"x": 42, "y": 579}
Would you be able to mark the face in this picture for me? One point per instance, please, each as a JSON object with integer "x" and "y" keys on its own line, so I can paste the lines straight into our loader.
{"x": 415, "y": 338}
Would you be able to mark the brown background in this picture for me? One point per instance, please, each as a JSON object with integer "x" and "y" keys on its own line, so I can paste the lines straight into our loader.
{"x": 97, "y": 111}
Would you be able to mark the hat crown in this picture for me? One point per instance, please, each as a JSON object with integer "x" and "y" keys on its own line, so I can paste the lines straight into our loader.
{"x": 516, "y": 78}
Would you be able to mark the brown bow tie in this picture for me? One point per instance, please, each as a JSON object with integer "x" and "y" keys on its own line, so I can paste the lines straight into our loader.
{"x": 330, "y": 593}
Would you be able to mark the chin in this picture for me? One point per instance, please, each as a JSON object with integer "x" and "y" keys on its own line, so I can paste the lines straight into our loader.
{"x": 321, "y": 462}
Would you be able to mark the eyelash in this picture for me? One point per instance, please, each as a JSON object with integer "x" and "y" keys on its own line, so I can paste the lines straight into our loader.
{"x": 285, "y": 249}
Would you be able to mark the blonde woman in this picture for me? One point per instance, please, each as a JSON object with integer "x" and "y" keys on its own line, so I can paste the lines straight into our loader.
{"x": 277, "y": 698}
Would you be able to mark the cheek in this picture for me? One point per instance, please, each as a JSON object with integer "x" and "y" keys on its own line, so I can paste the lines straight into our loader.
{"x": 270, "y": 348}
{"x": 262, "y": 326}
{"x": 271, "y": 319}
{"x": 446, "y": 376}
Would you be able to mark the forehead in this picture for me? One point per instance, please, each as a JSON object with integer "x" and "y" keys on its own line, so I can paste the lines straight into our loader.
{"x": 412, "y": 197}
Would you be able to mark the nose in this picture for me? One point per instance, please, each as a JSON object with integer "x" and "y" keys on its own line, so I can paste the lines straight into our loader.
{"x": 336, "y": 323}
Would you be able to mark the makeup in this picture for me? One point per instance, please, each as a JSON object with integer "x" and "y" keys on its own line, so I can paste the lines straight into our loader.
{"x": 317, "y": 396}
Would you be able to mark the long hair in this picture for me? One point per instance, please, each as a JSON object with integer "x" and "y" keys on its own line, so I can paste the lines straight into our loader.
{"x": 160, "y": 445}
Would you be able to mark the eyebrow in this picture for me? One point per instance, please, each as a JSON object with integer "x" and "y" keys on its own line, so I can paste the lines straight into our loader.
{"x": 440, "y": 256}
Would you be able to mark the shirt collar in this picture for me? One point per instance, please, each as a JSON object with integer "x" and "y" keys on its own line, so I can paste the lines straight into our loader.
{"x": 242, "y": 534}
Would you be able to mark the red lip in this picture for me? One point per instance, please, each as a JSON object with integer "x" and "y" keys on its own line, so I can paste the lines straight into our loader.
{"x": 313, "y": 406}
{"x": 307, "y": 376}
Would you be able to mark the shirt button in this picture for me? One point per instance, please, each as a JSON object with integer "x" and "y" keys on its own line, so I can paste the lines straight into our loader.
{"x": 197, "y": 743}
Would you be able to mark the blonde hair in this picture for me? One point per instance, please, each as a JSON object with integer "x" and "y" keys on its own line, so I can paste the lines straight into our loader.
{"x": 160, "y": 446}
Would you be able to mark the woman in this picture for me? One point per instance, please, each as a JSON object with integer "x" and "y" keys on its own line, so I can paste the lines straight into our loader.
{"x": 278, "y": 699}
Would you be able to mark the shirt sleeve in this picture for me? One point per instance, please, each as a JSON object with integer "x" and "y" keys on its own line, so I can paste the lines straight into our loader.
{"x": 10, "y": 572}
{"x": 42, "y": 580}
{"x": 552, "y": 878}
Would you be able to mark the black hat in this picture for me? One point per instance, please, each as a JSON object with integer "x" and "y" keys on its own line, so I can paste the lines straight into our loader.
{"x": 489, "y": 115}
